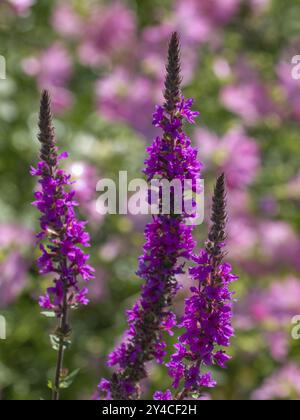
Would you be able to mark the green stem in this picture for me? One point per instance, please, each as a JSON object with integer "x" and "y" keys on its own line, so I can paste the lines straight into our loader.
{"x": 63, "y": 331}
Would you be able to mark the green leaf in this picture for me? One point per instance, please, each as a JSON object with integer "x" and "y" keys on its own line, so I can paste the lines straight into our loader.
{"x": 196, "y": 395}
{"x": 67, "y": 344}
{"x": 49, "y": 314}
{"x": 68, "y": 380}
{"x": 54, "y": 340}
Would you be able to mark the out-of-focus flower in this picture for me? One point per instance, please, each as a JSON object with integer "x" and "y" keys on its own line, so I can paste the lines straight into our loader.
{"x": 98, "y": 287}
{"x": 221, "y": 68}
{"x": 271, "y": 309}
{"x": 122, "y": 95}
{"x": 15, "y": 242}
{"x": 65, "y": 20}
{"x": 290, "y": 88}
{"x": 62, "y": 99}
{"x": 248, "y": 100}
{"x": 199, "y": 20}
{"x": 284, "y": 384}
{"x": 86, "y": 177}
{"x": 248, "y": 97}
{"x": 269, "y": 205}
{"x": 282, "y": 300}
{"x": 12, "y": 235}
{"x": 278, "y": 343}
{"x": 107, "y": 32}
{"x": 265, "y": 244}
{"x": 21, "y": 7}
{"x": 279, "y": 243}
{"x": 292, "y": 189}
{"x": 191, "y": 23}
{"x": 236, "y": 154}
{"x": 196, "y": 21}
{"x": 219, "y": 11}
{"x": 152, "y": 51}
{"x": 241, "y": 247}
{"x": 111, "y": 249}
{"x": 250, "y": 311}
{"x": 53, "y": 67}
{"x": 53, "y": 70}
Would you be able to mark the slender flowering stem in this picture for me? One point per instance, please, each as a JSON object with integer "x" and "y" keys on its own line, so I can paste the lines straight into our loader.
{"x": 61, "y": 237}
{"x": 208, "y": 312}
{"x": 168, "y": 240}
{"x": 63, "y": 332}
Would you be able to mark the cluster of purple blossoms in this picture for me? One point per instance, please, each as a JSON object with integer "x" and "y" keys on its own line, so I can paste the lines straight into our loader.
{"x": 207, "y": 315}
{"x": 168, "y": 242}
{"x": 62, "y": 236}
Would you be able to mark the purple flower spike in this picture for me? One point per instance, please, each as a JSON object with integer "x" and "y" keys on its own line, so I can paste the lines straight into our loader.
{"x": 168, "y": 240}
{"x": 61, "y": 238}
{"x": 62, "y": 235}
{"x": 208, "y": 311}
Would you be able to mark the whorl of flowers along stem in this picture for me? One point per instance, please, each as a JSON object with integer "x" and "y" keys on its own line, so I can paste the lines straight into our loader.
{"x": 207, "y": 314}
{"x": 168, "y": 240}
{"x": 173, "y": 79}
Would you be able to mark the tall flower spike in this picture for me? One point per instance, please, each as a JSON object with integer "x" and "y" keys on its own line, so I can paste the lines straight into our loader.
{"x": 173, "y": 79}
{"x": 168, "y": 241}
{"x": 207, "y": 314}
{"x": 61, "y": 237}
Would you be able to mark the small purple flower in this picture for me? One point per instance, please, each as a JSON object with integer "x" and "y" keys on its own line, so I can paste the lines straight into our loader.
{"x": 186, "y": 112}
{"x": 16, "y": 242}
{"x": 158, "y": 117}
{"x": 45, "y": 302}
{"x": 53, "y": 70}
{"x": 168, "y": 323}
{"x": 158, "y": 395}
{"x": 81, "y": 297}
{"x": 104, "y": 387}
{"x": 207, "y": 381}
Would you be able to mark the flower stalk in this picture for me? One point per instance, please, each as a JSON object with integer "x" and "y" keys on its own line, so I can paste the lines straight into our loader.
{"x": 61, "y": 238}
{"x": 168, "y": 240}
{"x": 208, "y": 312}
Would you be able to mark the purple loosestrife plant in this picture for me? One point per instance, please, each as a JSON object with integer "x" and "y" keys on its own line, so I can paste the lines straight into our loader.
{"x": 168, "y": 241}
{"x": 207, "y": 315}
{"x": 61, "y": 238}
